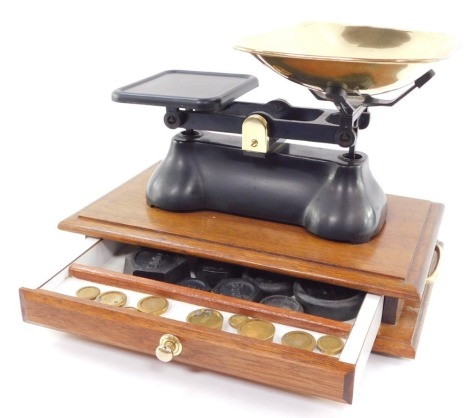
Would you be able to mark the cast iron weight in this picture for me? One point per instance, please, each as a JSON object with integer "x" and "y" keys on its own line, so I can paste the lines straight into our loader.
{"x": 238, "y": 288}
{"x": 269, "y": 283}
{"x": 213, "y": 272}
{"x": 158, "y": 265}
{"x": 329, "y": 301}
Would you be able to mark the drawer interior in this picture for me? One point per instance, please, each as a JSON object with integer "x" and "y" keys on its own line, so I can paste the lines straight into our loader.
{"x": 102, "y": 266}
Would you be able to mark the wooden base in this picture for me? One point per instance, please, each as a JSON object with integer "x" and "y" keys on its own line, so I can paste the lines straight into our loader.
{"x": 395, "y": 263}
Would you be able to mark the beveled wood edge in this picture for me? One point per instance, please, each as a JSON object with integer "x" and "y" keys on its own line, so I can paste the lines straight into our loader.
{"x": 43, "y": 307}
{"x": 395, "y": 342}
{"x": 369, "y": 282}
{"x": 210, "y": 300}
{"x": 421, "y": 316}
{"x": 425, "y": 249}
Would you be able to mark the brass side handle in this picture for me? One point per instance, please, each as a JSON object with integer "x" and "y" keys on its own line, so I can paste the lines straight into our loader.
{"x": 169, "y": 347}
{"x": 434, "y": 274}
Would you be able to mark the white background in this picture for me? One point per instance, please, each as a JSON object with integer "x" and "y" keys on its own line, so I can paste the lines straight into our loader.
{"x": 65, "y": 143}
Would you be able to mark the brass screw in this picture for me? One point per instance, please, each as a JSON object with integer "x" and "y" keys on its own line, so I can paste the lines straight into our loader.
{"x": 254, "y": 143}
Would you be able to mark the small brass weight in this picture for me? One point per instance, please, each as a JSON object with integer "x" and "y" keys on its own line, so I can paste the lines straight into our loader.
{"x": 170, "y": 346}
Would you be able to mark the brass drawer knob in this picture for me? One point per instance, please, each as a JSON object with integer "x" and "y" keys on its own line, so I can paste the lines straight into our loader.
{"x": 170, "y": 346}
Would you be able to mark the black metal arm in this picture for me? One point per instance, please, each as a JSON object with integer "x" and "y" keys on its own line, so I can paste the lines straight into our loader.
{"x": 285, "y": 121}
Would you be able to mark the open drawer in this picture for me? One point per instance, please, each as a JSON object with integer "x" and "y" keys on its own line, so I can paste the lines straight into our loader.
{"x": 312, "y": 373}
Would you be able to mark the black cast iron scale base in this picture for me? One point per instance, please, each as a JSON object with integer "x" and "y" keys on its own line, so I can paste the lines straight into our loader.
{"x": 259, "y": 174}
{"x": 331, "y": 195}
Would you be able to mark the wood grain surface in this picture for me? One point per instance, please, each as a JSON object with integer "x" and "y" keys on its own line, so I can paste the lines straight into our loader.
{"x": 394, "y": 263}
{"x": 288, "y": 368}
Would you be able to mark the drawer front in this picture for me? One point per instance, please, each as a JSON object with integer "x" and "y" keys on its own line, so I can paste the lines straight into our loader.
{"x": 260, "y": 361}
{"x": 304, "y": 372}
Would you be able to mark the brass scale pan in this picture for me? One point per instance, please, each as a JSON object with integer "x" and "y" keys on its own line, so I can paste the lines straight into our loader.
{"x": 361, "y": 59}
